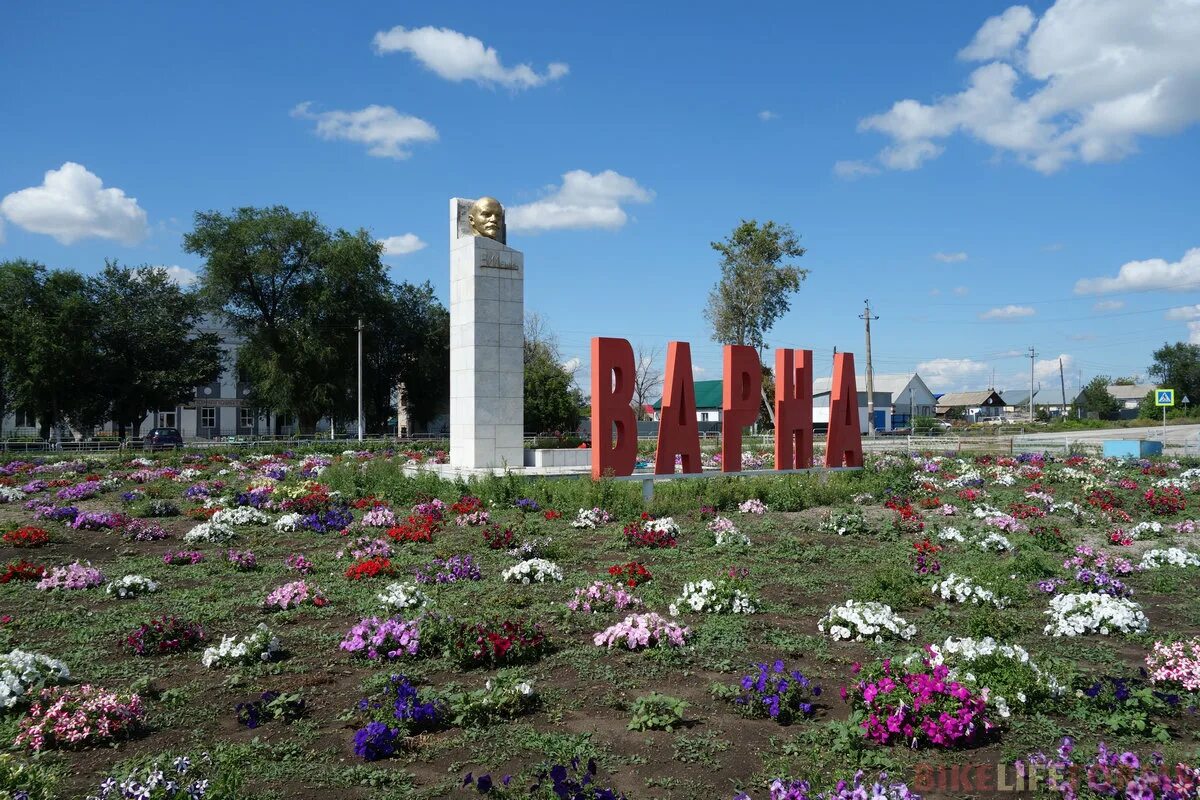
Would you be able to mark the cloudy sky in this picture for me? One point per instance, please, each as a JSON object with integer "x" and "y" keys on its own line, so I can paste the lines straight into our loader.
{"x": 992, "y": 177}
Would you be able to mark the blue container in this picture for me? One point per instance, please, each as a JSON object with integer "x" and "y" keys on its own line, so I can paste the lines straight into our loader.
{"x": 1131, "y": 448}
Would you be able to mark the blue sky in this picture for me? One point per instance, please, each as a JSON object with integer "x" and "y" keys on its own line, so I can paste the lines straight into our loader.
{"x": 975, "y": 169}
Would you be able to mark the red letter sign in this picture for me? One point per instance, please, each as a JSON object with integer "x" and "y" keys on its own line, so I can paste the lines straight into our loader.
{"x": 793, "y": 409}
{"x": 612, "y": 391}
{"x": 843, "y": 443}
{"x": 739, "y": 401}
{"x": 678, "y": 433}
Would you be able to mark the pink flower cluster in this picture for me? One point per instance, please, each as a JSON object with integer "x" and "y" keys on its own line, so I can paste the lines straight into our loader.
{"x": 1005, "y": 522}
{"x": 294, "y": 595}
{"x": 1176, "y": 662}
{"x": 379, "y": 517}
{"x": 919, "y": 708}
{"x": 78, "y": 715}
{"x": 299, "y": 563}
{"x": 368, "y": 547}
{"x": 642, "y": 630}
{"x": 72, "y": 576}
{"x": 386, "y": 638}
{"x": 473, "y": 519}
{"x": 601, "y": 596}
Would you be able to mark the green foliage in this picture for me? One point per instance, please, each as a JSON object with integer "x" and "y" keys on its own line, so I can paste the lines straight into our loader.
{"x": 657, "y": 712}
{"x": 293, "y": 290}
{"x": 1177, "y": 366}
{"x": 36, "y": 781}
{"x": 552, "y": 401}
{"x": 1124, "y": 708}
{"x": 1095, "y": 399}
{"x": 755, "y": 287}
{"x": 506, "y": 696}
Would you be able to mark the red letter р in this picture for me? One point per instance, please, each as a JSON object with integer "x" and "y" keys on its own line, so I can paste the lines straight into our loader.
{"x": 739, "y": 401}
{"x": 843, "y": 443}
{"x": 793, "y": 409}
{"x": 678, "y": 432}
{"x": 612, "y": 391}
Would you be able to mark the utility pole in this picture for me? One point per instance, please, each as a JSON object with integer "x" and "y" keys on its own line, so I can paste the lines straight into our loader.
{"x": 1032, "y": 356}
{"x": 866, "y": 317}
{"x": 360, "y": 397}
{"x": 1062, "y": 381}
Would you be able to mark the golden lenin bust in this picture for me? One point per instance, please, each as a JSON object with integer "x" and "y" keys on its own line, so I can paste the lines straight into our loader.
{"x": 487, "y": 219}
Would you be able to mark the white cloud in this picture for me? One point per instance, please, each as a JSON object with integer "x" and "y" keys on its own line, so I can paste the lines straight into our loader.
{"x": 853, "y": 169}
{"x": 1047, "y": 368}
{"x": 1092, "y": 77}
{"x": 1053, "y": 247}
{"x": 402, "y": 245}
{"x": 582, "y": 201}
{"x": 767, "y": 116}
{"x": 934, "y": 292}
{"x": 1149, "y": 275}
{"x": 1184, "y": 312}
{"x": 950, "y": 258}
{"x": 999, "y": 35}
{"x": 572, "y": 364}
{"x": 182, "y": 276}
{"x": 1194, "y": 332}
{"x": 961, "y": 291}
{"x": 951, "y": 374}
{"x": 1008, "y": 312}
{"x": 1, "y": 230}
{"x": 1109, "y": 305}
{"x": 385, "y": 131}
{"x": 458, "y": 57}
{"x": 71, "y": 204}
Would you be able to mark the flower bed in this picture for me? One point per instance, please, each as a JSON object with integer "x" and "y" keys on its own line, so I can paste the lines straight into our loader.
{"x": 860, "y": 621}
{"x": 71, "y": 577}
{"x": 601, "y": 597}
{"x": 23, "y": 674}
{"x": 449, "y": 570}
{"x": 131, "y": 586}
{"x": 164, "y": 635}
{"x": 294, "y": 595}
{"x": 260, "y": 645}
{"x": 78, "y": 716}
{"x": 533, "y": 570}
{"x": 28, "y": 536}
{"x": 714, "y": 597}
{"x": 1092, "y": 612}
{"x": 388, "y": 638}
{"x": 638, "y": 631}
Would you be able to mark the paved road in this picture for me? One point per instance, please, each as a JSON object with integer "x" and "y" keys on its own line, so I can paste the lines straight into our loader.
{"x": 1177, "y": 435}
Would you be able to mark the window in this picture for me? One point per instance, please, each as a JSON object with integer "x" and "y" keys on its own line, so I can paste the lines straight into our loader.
{"x": 208, "y": 417}
{"x": 26, "y": 419}
{"x": 245, "y": 417}
{"x": 166, "y": 419}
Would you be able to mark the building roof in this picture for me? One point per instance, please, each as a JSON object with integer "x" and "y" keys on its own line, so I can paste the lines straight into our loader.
{"x": 1015, "y": 397}
{"x": 884, "y": 384}
{"x": 977, "y": 398}
{"x": 1049, "y": 396}
{"x": 1135, "y": 392}
{"x": 708, "y": 395}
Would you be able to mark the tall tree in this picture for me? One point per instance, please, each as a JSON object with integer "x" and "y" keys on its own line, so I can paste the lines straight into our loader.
{"x": 294, "y": 291}
{"x": 1095, "y": 399}
{"x": 552, "y": 401}
{"x": 755, "y": 287}
{"x": 151, "y": 354}
{"x": 1177, "y": 366}
{"x": 756, "y": 284}
{"x": 49, "y": 341}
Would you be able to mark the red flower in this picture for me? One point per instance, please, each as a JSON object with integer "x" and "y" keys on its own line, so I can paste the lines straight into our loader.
{"x": 28, "y": 536}
{"x": 370, "y": 568}
{"x": 552, "y": 514}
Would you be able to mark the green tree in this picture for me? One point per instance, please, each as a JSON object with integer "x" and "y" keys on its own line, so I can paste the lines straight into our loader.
{"x": 294, "y": 291}
{"x": 755, "y": 288}
{"x": 151, "y": 355}
{"x": 1177, "y": 366}
{"x": 1095, "y": 399}
{"x": 552, "y": 401}
{"x": 755, "y": 285}
{"x": 49, "y": 344}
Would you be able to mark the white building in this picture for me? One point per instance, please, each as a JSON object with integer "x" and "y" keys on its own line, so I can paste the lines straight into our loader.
{"x": 898, "y": 398}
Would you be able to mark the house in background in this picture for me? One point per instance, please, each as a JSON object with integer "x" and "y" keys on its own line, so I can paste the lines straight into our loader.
{"x": 898, "y": 398}
{"x": 1130, "y": 398}
{"x": 708, "y": 406}
{"x": 975, "y": 406}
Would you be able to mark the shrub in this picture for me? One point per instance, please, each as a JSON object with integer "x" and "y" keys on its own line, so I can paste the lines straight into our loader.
{"x": 164, "y": 635}
{"x": 657, "y": 712}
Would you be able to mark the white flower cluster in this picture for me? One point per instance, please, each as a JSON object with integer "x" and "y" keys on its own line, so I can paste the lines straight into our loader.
{"x": 1091, "y": 612}
{"x": 288, "y": 523}
{"x": 663, "y": 525}
{"x": 240, "y": 515}
{"x": 533, "y": 570}
{"x": 591, "y": 518}
{"x": 187, "y": 474}
{"x": 951, "y": 535}
{"x": 24, "y": 674}
{"x": 1173, "y": 483}
{"x": 968, "y": 478}
{"x": 843, "y": 521}
{"x": 209, "y": 532}
{"x": 9, "y": 494}
{"x": 402, "y": 595}
{"x": 865, "y": 620}
{"x": 131, "y": 586}
{"x": 1144, "y": 529}
{"x": 995, "y": 542}
{"x": 1172, "y": 556}
{"x": 258, "y": 645}
{"x": 713, "y": 598}
{"x": 961, "y": 589}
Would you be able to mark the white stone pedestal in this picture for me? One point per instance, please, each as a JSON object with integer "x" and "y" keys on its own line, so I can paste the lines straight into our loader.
{"x": 487, "y": 337}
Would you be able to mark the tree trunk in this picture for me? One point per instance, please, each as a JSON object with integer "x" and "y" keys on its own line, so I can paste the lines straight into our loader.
{"x": 308, "y": 424}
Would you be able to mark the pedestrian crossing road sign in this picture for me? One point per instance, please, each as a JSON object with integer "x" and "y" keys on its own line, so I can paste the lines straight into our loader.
{"x": 1164, "y": 397}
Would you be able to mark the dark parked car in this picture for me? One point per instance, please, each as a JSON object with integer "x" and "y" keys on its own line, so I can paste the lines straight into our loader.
{"x": 162, "y": 438}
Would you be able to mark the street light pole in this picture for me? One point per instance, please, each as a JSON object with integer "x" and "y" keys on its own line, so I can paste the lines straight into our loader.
{"x": 360, "y": 396}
